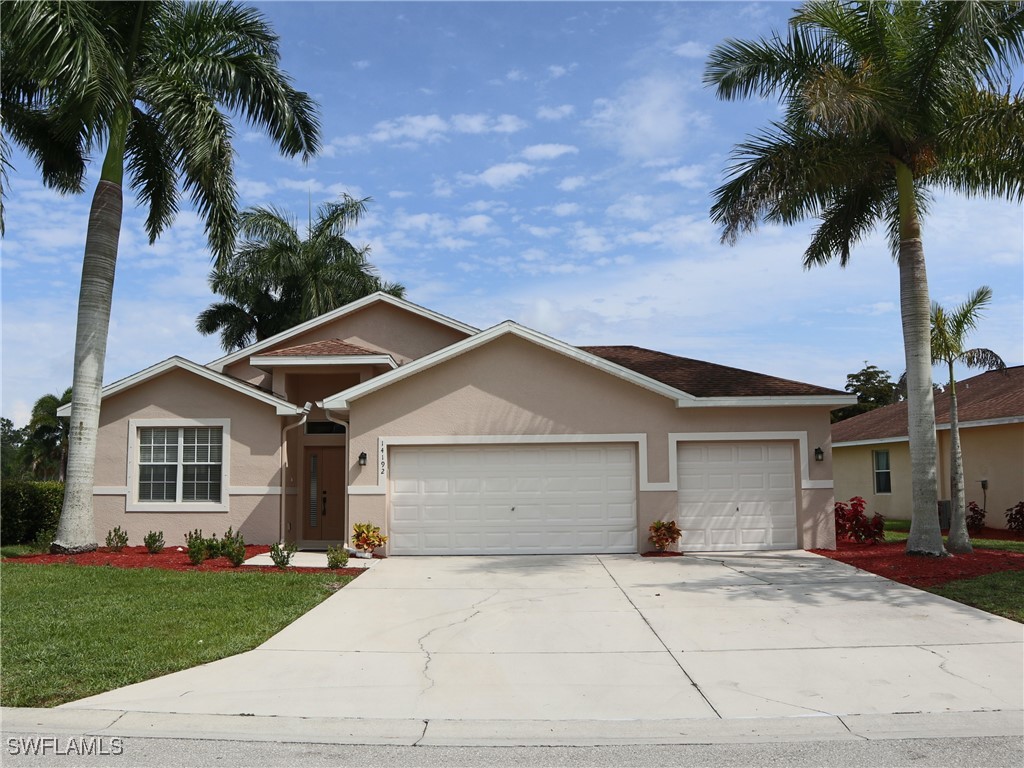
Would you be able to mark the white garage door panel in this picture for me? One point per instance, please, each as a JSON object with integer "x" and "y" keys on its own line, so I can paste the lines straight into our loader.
{"x": 735, "y": 496}
{"x": 513, "y": 499}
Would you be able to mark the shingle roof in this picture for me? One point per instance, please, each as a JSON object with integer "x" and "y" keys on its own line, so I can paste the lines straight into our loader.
{"x": 990, "y": 395}
{"x": 325, "y": 348}
{"x": 702, "y": 379}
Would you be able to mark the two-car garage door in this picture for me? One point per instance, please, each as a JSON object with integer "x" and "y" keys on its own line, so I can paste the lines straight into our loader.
{"x": 581, "y": 498}
{"x": 513, "y": 499}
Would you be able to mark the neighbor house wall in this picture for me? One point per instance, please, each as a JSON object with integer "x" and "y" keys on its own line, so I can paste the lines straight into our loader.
{"x": 252, "y": 495}
{"x": 513, "y": 387}
{"x": 994, "y": 453}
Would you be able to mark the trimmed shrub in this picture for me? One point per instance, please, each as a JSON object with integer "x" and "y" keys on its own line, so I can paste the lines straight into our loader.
{"x": 154, "y": 542}
{"x": 117, "y": 539}
{"x": 195, "y": 542}
{"x": 853, "y": 524}
{"x": 664, "y": 534}
{"x": 1015, "y": 517}
{"x": 232, "y": 546}
{"x": 337, "y": 557}
{"x": 281, "y": 554}
{"x": 30, "y": 511}
{"x": 975, "y": 517}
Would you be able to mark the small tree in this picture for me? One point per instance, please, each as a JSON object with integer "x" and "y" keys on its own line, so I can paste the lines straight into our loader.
{"x": 873, "y": 388}
{"x": 949, "y": 333}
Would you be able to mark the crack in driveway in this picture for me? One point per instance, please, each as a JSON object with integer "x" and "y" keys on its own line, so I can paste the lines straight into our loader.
{"x": 475, "y": 608}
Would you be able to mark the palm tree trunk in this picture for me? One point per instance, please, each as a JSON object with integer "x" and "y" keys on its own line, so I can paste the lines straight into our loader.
{"x": 76, "y": 529}
{"x": 925, "y": 535}
{"x": 958, "y": 541}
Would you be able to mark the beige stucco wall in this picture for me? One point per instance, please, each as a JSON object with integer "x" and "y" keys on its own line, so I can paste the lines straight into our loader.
{"x": 406, "y": 336}
{"x": 513, "y": 387}
{"x": 994, "y": 453}
{"x": 255, "y": 432}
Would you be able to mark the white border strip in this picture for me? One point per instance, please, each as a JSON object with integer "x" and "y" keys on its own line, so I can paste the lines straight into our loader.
{"x": 638, "y": 438}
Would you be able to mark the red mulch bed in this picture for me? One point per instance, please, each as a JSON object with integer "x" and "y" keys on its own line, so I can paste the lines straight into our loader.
{"x": 656, "y": 553}
{"x": 171, "y": 559}
{"x": 890, "y": 560}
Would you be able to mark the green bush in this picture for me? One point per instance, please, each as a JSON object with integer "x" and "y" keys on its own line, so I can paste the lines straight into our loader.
{"x": 154, "y": 542}
{"x": 117, "y": 539}
{"x": 281, "y": 554}
{"x": 337, "y": 557}
{"x": 196, "y": 545}
{"x": 30, "y": 511}
{"x": 232, "y": 546}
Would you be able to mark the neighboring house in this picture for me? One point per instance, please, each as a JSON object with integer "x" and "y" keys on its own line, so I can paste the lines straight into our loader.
{"x": 459, "y": 441}
{"x": 871, "y": 453}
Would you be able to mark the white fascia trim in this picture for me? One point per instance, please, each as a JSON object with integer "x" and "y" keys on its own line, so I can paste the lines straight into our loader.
{"x": 835, "y": 401}
{"x": 282, "y": 407}
{"x": 639, "y": 439}
{"x": 875, "y": 441}
{"x": 283, "y": 360}
{"x": 341, "y": 400}
{"x": 220, "y": 363}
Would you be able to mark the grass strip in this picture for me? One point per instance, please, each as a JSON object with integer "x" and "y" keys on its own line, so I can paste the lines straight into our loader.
{"x": 75, "y": 631}
{"x": 998, "y": 593}
{"x": 1000, "y": 544}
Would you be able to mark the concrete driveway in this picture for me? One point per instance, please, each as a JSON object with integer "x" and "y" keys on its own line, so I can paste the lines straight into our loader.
{"x": 610, "y": 638}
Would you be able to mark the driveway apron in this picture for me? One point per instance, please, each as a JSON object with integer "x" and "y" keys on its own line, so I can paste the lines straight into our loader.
{"x": 610, "y": 637}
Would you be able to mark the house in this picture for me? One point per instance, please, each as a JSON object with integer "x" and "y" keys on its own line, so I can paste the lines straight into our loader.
{"x": 460, "y": 441}
{"x": 871, "y": 452}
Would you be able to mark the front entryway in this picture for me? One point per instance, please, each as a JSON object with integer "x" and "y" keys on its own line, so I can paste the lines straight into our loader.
{"x": 323, "y": 517}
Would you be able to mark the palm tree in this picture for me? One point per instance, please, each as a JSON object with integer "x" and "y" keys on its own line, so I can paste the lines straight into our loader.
{"x": 149, "y": 81}
{"x": 949, "y": 333}
{"x": 882, "y": 103}
{"x": 46, "y": 440}
{"x": 276, "y": 279}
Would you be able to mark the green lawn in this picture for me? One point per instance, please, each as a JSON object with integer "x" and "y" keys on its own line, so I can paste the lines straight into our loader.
{"x": 74, "y": 631}
{"x": 998, "y": 593}
{"x": 899, "y": 533}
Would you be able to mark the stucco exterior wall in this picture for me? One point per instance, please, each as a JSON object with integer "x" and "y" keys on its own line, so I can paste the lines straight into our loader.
{"x": 253, "y": 473}
{"x": 513, "y": 387}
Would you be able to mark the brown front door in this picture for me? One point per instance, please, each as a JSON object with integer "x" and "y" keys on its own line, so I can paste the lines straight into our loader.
{"x": 324, "y": 500}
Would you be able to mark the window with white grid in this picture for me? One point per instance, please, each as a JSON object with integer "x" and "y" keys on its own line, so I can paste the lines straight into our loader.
{"x": 180, "y": 464}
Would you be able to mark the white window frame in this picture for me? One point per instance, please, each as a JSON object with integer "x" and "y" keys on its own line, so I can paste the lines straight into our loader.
{"x": 875, "y": 472}
{"x": 132, "y": 502}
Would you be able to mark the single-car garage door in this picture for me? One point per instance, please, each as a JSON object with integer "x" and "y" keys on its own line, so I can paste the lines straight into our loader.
{"x": 736, "y": 496}
{"x": 512, "y": 499}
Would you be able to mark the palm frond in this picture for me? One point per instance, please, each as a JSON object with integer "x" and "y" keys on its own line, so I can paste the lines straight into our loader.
{"x": 982, "y": 358}
{"x": 152, "y": 171}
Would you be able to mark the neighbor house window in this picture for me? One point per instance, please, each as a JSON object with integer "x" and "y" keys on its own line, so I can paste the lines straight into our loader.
{"x": 883, "y": 472}
{"x": 180, "y": 464}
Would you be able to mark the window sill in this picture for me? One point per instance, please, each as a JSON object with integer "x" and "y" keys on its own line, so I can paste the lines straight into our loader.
{"x": 172, "y": 507}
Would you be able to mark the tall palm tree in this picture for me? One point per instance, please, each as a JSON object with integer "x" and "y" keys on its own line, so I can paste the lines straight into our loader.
{"x": 276, "y": 279}
{"x": 882, "y": 103}
{"x": 153, "y": 83}
{"x": 949, "y": 335}
{"x": 46, "y": 441}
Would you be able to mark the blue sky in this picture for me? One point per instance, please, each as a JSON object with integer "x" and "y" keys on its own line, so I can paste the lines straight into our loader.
{"x": 549, "y": 163}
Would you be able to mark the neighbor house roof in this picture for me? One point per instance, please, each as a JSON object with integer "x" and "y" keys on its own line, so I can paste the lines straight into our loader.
{"x": 327, "y": 347}
{"x": 702, "y": 379}
{"x": 324, "y": 352}
{"x": 992, "y": 397}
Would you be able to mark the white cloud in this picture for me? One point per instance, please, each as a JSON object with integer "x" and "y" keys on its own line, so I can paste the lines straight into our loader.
{"x": 556, "y": 71}
{"x": 590, "y": 239}
{"x": 515, "y": 76}
{"x": 398, "y": 194}
{"x": 570, "y": 183}
{"x": 650, "y": 117}
{"x": 501, "y": 175}
{"x": 509, "y": 124}
{"x": 555, "y": 113}
{"x": 565, "y": 209}
{"x": 633, "y": 208}
{"x": 691, "y": 50}
{"x": 482, "y": 123}
{"x": 442, "y": 188}
{"x": 479, "y": 224}
{"x": 690, "y": 176}
{"x": 543, "y": 232}
{"x": 417, "y": 128}
{"x": 361, "y": 64}
{"x": 548, "y": 151}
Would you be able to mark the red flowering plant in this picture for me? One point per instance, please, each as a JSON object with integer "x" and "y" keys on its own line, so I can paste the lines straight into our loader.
{"x": 853, "y": 524}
